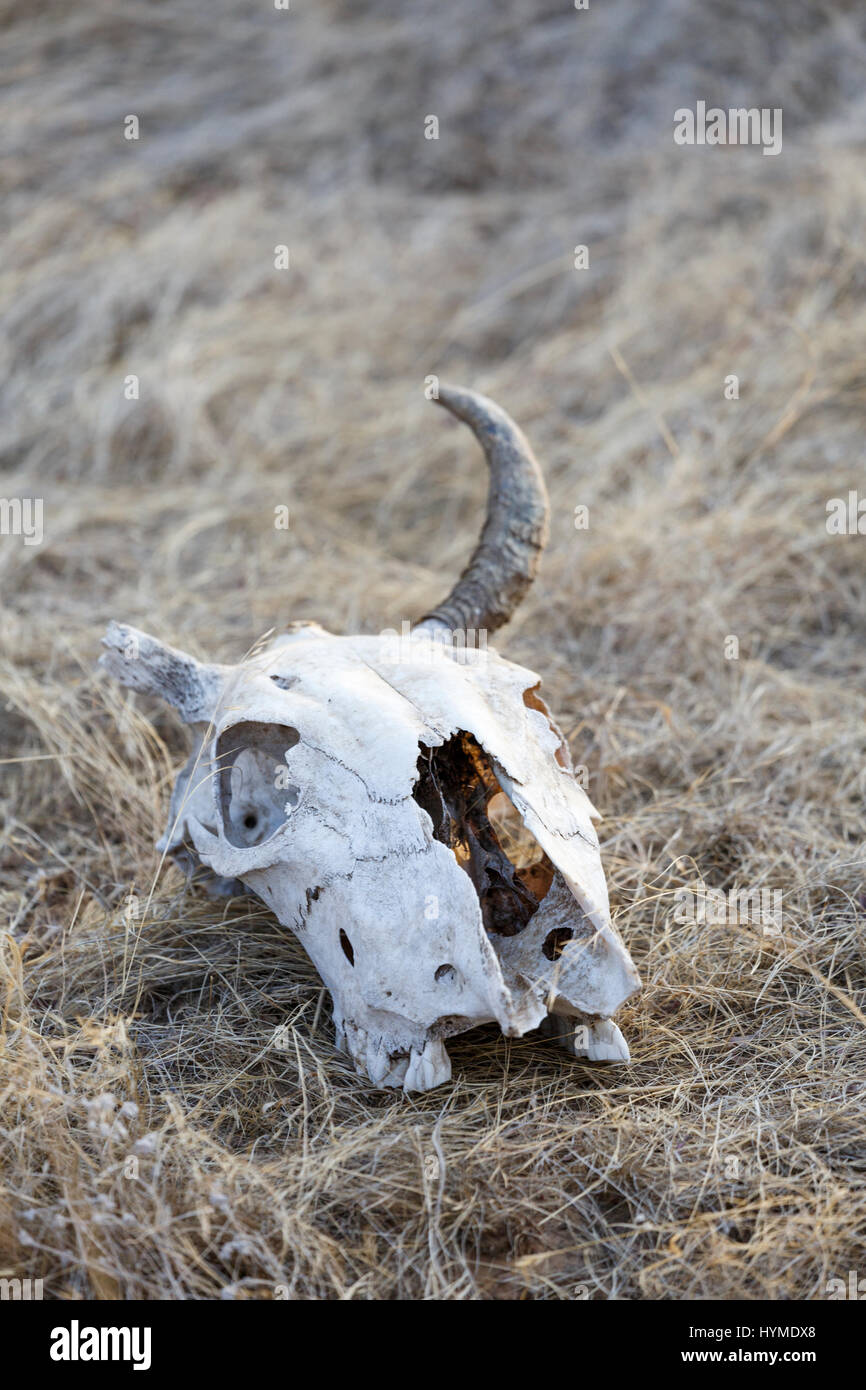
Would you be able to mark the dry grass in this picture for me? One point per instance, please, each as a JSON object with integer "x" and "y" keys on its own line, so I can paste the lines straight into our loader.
{"x": 728, "y": 1160}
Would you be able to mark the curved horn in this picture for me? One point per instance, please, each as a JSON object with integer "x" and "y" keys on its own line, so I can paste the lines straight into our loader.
{"x": 144, "y": 663}
{"x": 505, "y": 560}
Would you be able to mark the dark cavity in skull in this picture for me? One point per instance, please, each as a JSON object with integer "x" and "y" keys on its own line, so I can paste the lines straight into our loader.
{"x": 458, "y": 789}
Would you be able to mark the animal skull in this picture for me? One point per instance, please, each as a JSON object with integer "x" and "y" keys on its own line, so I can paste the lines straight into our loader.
{"x": 361, "y": 787}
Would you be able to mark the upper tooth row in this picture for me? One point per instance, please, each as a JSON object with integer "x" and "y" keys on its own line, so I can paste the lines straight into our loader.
{"x": 419, "y": 1070}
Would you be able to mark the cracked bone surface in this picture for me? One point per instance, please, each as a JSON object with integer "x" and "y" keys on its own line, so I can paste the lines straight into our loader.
{"x": 406, "y": 805}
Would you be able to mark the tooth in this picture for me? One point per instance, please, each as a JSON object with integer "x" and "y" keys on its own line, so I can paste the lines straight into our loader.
{"x": 428, "y": 1068}
{"x": 399, "y": 1065}
{"x": 378, "y": 1061}
{"x": 604, "y": 1043}
{"x": 356, "y": 1046}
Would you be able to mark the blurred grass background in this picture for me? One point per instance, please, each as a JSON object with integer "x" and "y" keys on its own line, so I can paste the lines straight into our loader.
{"x": 728, "y": 1160}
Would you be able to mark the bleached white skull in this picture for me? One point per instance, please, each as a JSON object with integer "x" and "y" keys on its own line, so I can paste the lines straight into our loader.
{"x": 406, "y": 804}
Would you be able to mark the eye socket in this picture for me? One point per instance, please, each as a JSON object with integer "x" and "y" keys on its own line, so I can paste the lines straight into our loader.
{"x": 253, "y": 792}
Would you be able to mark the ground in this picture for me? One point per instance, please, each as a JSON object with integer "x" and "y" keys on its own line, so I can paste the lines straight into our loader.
{"x": 175, "y": 1121}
